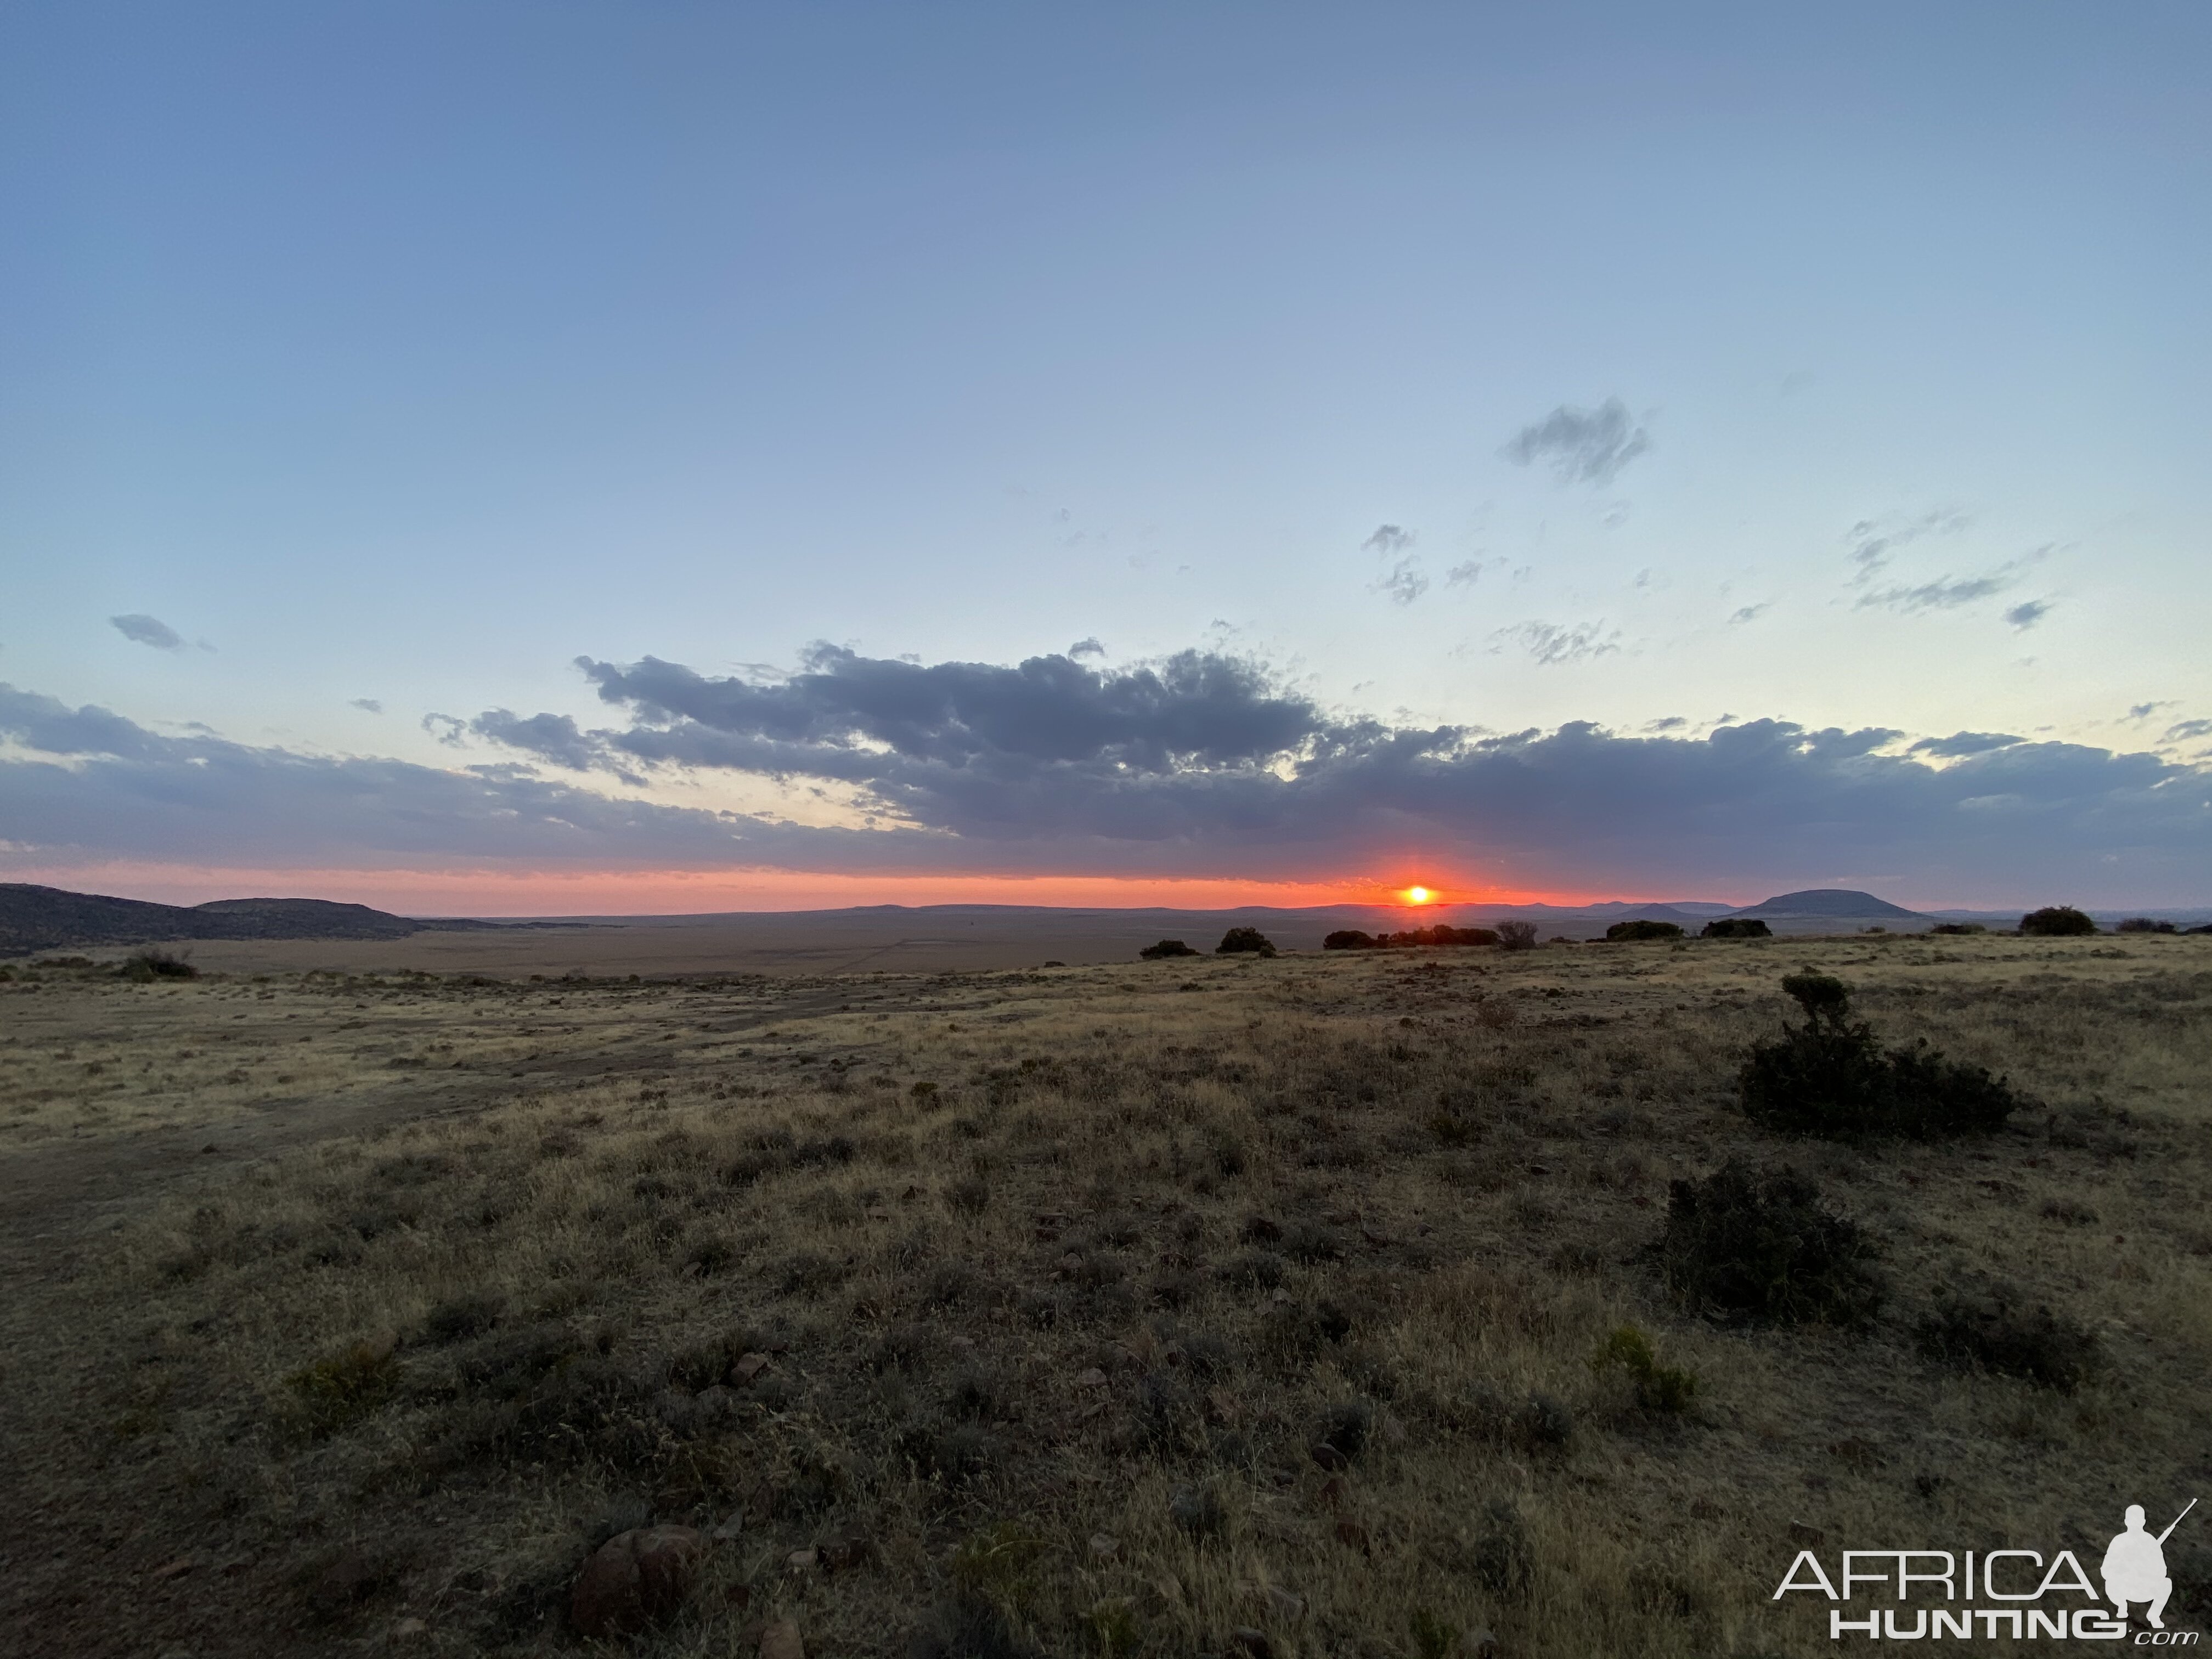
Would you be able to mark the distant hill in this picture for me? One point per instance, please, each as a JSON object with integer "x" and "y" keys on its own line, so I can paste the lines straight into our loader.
{"x": 51, "y": 918}
{"x": 1842, "y": 902}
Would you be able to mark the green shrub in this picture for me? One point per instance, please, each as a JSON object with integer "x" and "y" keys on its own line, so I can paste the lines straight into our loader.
{"x": 336, "y": 1393}
{"x": 1640, "y": 928}
{"x": 1244, "y": 941}
{"x": 1993, "y": 1332}
{"x": 1666, "y": 1389}
{"x": 2057, "y": 922}
{"x": 1766, "y": 1248}
{"x": 1735, "y": 927}
{"x": 1167, "y": 947}
{"x": 1830, "y": 1077}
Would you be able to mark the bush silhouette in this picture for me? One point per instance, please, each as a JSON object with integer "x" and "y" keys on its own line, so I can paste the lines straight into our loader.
{"x": 1765, "y": 1247}
{"x": 1830, "y": 1077}
{"x": 2145, "y": 925}
{"x": 2057, "y": 922}
{"x": 1244, "y": 941}
{"x": 1958, "y": 927}
{"x": 1993, "y": 1332}
{"x": 1735, "y": 927}
{"x": 1350, "y": 938}
{"x": 1517, "y": 935}
{"x": 1666, "y": 1389}
{"x": 1167, "y": 947}
{"x": 1642, "y": 928}
{"x": 156, "y": 963}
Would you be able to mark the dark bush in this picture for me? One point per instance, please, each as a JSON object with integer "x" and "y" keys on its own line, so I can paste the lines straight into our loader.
{"x": 151, "y": 964}
{"x": 1244, "y": 941}
{"x": 1439, "y": 934}
{"x": 1958, "y": 927}
{"x": 1766, "y": 1248}
{"x": 2145, "y": 925}
{"x": 2057, "y": 922}
{"x": 1167, "y": 947}
{"x": 1993, "y": 1332}
{"x": 1350, "y": 938}
{"x": 1735, "y": 928}
{"x": 1641, "y": 928}
{"x": 1830, "y": 1077}
{"x": 1517, "y": 935}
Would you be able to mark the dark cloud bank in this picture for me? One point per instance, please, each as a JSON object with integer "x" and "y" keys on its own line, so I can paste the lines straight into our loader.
{"x": 1202, "y": 764}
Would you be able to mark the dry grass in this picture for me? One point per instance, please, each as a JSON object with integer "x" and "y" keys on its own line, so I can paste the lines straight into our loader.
{"x": 1047, "y": 1260}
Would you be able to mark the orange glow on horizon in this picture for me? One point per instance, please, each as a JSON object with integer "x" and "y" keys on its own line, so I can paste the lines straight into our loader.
{"x": 521, "y": 892}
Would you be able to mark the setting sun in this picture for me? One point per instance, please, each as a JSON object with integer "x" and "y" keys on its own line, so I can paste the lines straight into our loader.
{"x": 1417, "y": 895}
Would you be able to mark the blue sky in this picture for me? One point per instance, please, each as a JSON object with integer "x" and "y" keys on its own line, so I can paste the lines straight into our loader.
{"x": 1456, "y": 367}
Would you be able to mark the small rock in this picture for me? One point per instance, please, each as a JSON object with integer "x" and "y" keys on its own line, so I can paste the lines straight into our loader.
{"x": 235, "y": 1565}
{"x": 1280, "y": 1296}
{"x": 409, "y": 1630}
{"x": 1093, "y": 1378}
{"x": 1331, "y": 1495}
{"x": 1329, "y": 1457}
{"x": 635, "y": 1579}
{"x": 1352, "y": 1535}
{"x": 1253, "y": 1642}
{"x": 1283, "y": 1604}
{"x": 1807, "y": 1537}
{"x": 801, "y": 1560}
{"x": 749, "y": 1366}
{"x": 176, "y": 1568}
{"x": 1481, "y": 1641}
{"x": 782, "y": 1641}
{"x": 844, "y": 1555}
{"x": 1103, "y": 1546}
{"x": 1197, "y": 1510}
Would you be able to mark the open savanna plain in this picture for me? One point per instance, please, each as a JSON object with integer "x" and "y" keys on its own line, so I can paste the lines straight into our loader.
{"x": 1215, "y": 1306}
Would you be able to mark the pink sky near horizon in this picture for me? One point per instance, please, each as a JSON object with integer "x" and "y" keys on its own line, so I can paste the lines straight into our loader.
{"x": 690, "y": 892}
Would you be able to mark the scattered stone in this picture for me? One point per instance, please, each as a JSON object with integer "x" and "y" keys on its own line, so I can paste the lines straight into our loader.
{"x": 844, "y": 1555}
{"x": 635, "y": 1579}
{"x": 1481, "y": 1642}
{"x": 176, "y": 1568}
{"x": 1352, "y": 1535}
{"x": 1253, "y": 1642}
{"x": 801, "y": 1560}
{"x": 1805, "y": 1536}
{"x": 1283, "y": 1603}
{"x": 781, "y": 1640}
{"x": 1103, "y": 1546}
{"x": 235, "y": 1565}
{"x": 749, "y": 1366}
{"x": 1331, "y": 1495}
{"x": 411, "y": 1630}
{"x": 1329, "y": 1457}
{"x": 1093, "y": 1378}
{"x": 1197, "y": 1510}
{"x": 730, "y": 1530}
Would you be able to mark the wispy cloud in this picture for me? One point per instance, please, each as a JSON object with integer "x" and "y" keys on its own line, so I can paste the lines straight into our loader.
{"x": 1751, "y": 613}
{"x": 1388, "y": 540}
{"x": 1961, "y": 743}
{"x": 2028, "y": 613}
{"x": 367, "y": 705}
{"x": 1404, "y": 582}
{"x": 1582, "y": 446}
{"x": 1945, "y": 593}
{"x": 1465, "y": 574}
{"x": 1553, "y": 643}
{"x": 147, "y": 630}
{"x": 1090, "y": 647}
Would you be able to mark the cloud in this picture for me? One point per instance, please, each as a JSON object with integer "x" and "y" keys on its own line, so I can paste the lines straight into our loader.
{"x": 1873, "y": 541}
{"x": 1964, "y": 743}
{"x": 2186, "y": 731}
{"x": 2144, "y": 711}
{"x": 1090, "y": 647}
{"x": 2028, "y": 613}
{"x": 1404, "y": 583}
{"x": 1388, "y": 540}
{"x": 149, "y": 630}
{"x": 1550, "y": 643}
{"x": 1751, "y": 613}
{"x": 1199, "y": 764}
{"x": 1943, "y": 595}
{"x": 1464, "y": 575}
{"x": 367, "y": 705}
{"x": 1584, "y": 446}
{"x": 449, "y": 729}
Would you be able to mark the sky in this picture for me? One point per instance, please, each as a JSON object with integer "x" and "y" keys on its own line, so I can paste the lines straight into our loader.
{"x": 560, "y": 457}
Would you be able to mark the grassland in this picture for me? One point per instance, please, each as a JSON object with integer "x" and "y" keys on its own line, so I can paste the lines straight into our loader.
{"x": 1094, "y": 1311}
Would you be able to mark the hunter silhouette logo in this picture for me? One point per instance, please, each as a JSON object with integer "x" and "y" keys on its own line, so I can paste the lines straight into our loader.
{"x": 2134, "y": 1566}
{"x": 2029, "y": 1592}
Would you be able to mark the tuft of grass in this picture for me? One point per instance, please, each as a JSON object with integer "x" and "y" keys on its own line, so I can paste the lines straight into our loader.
{"x": 1665, "y": 1389}
{"x": 1995, "y": 1331}
{"x": 336, "y": 1392}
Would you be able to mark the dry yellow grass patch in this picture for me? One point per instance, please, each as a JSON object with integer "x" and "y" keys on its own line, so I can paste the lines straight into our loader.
{"x": 1062, "y": 1279}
